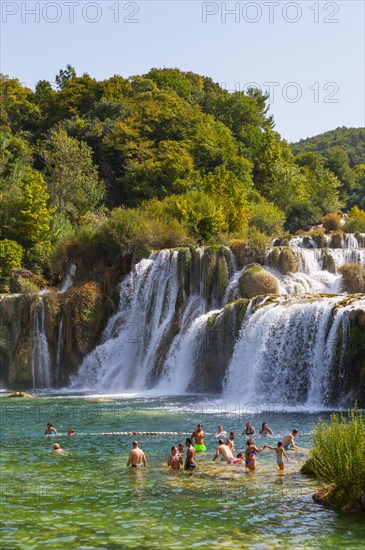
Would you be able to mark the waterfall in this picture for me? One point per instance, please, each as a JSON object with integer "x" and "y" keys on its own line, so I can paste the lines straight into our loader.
{"x": 350, "y": 241}
{"x": 147, "y": 305}
{"x": 59, "y": 351}
{"x": 69, "y": 279}
{"x": 182, "y": 325}
{"x": 286, "y": 351}
{"x": 41, "y": 365}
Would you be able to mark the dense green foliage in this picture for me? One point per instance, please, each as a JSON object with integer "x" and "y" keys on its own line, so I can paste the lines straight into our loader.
{"x": 350, "y": 140}
{"x": 339, "y": 456}
{"x": 163, "y": 159}
{"x": 342, "y": 151}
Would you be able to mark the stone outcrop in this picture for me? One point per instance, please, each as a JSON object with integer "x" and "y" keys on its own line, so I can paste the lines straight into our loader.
{"x": 256, "y": 281}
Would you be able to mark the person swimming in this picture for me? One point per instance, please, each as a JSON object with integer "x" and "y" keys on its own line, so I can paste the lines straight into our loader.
{"x": 57, "y": 449}
{"x": 71, "y": 432}
{"x": 279, "y": 454}
{"x": 50, "y": 430}
{"x": 249, "y": 429}
{"x": 220, "y": 432}
{"x": 265, "y": 430}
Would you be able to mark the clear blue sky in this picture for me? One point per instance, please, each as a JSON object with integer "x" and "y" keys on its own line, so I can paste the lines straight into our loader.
{"x": 316, "y": 46}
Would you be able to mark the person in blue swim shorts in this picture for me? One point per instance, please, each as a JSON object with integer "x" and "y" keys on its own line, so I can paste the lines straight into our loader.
{"x": 279, "y": 454}
{"x": 288, "y": 440}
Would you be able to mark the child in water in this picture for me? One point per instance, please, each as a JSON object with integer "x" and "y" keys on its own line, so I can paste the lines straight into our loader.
{"x": 279, "y": 454}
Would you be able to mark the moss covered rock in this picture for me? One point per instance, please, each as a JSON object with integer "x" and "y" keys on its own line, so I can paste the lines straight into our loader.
{"x": 287, "y": 262}
{"x": 336, "y": 239}
{"x": 239, "y": 250}
{"x": 256, "y": 281}
{"x": 328, "y": 263}
{"x": 353, "y": 276}
{"x": 25, "y": 282}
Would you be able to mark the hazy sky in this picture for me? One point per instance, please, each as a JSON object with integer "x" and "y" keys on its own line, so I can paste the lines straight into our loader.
{"x": 309, "y": 54}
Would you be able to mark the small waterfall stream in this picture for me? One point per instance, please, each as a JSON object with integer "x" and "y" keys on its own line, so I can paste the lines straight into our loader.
{"x": 41, "y": 364}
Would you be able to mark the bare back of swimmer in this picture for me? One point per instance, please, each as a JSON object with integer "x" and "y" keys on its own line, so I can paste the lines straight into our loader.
{"x": 136, "y": 457}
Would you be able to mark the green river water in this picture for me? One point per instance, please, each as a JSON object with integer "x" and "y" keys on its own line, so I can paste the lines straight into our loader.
{"x": 90, "y": 500}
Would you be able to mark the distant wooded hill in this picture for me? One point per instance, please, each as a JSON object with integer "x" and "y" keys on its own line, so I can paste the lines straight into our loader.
{"x": 352, "y": 140}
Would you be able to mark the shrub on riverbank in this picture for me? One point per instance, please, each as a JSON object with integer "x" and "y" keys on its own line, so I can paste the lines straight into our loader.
{"x": 339, "y": 459}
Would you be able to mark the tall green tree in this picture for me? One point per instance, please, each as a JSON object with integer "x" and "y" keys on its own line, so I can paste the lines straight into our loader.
{"x": 337, "y": 161}
{"x": 30, "y": 217}
{"x": 72, "y": 178}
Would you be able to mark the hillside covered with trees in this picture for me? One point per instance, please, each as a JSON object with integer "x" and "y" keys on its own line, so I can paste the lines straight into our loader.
{"x": 165, "y": 159}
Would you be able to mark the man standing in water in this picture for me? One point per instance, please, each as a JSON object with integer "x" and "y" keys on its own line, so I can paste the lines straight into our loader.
{"x": 288, "y": 440}
{"x": 136, "y": 457}
{"x": 198, "y": 435}
{"x": 230, "y": 441}
{"x": 190, "y": 455}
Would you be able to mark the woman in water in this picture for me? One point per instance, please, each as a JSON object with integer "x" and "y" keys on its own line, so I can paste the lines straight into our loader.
{"x": 251, "y": 452}
{"x": 249, "y": 429}
{"x": 265, "y": 430}
{"x": 175, "y": 459}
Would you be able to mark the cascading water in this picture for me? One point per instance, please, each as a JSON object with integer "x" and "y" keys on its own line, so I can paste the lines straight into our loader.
{"x": 60, "y": 346}
{"x": 41, "y": 364}
{"x": 69, "y": 279}
{"x": 171, "y": 333}
{"x": 286, "y": 351}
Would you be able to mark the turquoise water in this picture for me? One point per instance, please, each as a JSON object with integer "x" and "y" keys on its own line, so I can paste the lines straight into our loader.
{"x": 89, "y": 499}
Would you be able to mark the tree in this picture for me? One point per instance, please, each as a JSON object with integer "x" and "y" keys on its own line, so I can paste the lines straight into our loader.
{"x": 301, "y": 216}
{"x": 199, "y": 213}
{"x": 230, "y": 194}
{"x": 30, "y": 219}
{"x": 64, "y": 76}
{"x": 11, "y": 257}
{"x": 337, "y": 161}
{"x": 72, "y": 178}
{"x": 267, "y": 218}
{"x": 18, "y": 111}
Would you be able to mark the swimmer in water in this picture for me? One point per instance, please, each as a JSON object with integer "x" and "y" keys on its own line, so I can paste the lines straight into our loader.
{"x": 230, "y": 441}
{"x": 175, "y": 459}
{"x": 279, "y": 454}
{"x": 57, "y": 449}
{"x": 50, "y": 430}
{"x": 220, "y": 432}
{"x": 265, "y": 430}
{"x": 288, "y": 440}
{"x": 249, "y": 429}
{"x": 71, "y": 432}
{"x": 136, "y": 457}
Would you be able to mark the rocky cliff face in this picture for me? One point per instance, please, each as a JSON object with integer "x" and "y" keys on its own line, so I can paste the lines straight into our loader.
{"x": 73, "y": 323}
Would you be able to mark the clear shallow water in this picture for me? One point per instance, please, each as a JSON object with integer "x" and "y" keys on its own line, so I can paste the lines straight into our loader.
{"x": 90, "y": 500}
